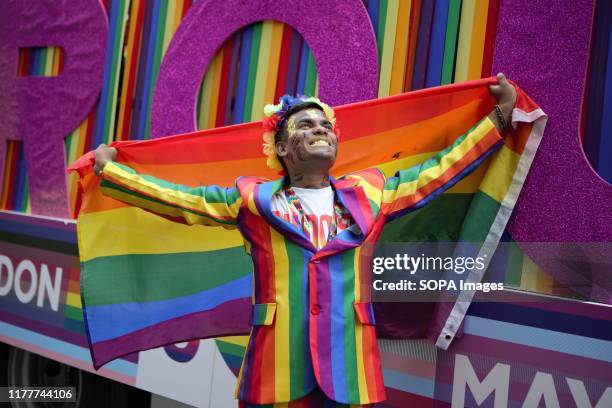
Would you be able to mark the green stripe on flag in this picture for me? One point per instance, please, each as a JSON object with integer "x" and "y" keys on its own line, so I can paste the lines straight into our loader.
{"x": 440, "y": 220}
{"x": 480, "y": 217}
{"x": 155, "y": 277}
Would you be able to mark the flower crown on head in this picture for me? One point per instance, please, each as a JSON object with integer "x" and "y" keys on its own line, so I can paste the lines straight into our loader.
{"x": 276, "y": 115}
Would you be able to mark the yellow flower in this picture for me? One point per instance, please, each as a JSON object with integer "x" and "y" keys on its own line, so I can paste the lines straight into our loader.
{"x": 270, "y": 151}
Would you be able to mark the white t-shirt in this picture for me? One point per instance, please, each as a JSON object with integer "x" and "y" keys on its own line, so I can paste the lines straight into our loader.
{"x": 318, "y": 205}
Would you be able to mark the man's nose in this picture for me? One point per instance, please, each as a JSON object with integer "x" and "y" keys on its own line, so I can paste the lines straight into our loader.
{"x": 319, "y": 130}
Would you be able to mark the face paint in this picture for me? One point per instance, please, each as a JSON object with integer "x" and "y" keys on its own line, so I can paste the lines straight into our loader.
{"x": 297, "y": 148}
{"x": 291, "y": 125}
{"x": 312, "y": 113}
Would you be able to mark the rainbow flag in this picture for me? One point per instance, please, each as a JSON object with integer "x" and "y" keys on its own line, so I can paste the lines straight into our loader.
{"x": 147, "y": 281}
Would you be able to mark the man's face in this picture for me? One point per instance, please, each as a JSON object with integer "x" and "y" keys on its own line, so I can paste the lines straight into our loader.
{"x": 311, "y": 141}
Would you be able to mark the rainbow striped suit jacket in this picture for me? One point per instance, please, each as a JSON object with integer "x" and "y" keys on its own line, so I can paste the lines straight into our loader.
{"x": 313, "y": 322}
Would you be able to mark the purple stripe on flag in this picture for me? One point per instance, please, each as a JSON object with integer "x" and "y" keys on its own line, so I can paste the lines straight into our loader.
{"x": 194, "y": 326}
{"x": 130, "y": 317}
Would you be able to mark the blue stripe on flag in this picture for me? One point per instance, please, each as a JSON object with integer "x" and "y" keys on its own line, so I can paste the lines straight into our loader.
{"x": 110, "y": 321}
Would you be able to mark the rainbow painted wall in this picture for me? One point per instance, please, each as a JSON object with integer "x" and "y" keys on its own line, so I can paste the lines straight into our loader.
{"x": 420, "y": 44}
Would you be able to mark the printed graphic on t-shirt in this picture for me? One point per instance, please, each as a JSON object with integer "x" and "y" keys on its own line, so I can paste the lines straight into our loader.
{"x": 318, "y": 206}
{"x": 320, "y": 226}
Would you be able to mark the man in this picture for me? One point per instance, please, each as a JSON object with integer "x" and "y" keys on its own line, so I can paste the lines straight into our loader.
{"x": 313, "y": 339}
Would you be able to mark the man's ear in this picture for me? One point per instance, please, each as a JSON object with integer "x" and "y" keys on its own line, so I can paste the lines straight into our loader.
{"x": 281, "y": 149}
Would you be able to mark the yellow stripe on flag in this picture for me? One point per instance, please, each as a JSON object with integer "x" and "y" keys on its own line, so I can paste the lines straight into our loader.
{"x": 497, "y": 181}
{"x": 154, "y": 235}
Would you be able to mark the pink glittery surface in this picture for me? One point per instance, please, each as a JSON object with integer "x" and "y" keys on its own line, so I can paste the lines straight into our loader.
{"x": 338, "y": 31}
{"x": 41, "y": 111}
{"x": 544, "y": 47}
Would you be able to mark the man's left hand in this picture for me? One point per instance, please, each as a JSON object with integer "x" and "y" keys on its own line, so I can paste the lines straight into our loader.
{"x": 505, "y": 95}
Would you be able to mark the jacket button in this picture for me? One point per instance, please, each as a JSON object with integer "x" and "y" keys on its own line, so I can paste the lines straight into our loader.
{"x": 315, "y": 310}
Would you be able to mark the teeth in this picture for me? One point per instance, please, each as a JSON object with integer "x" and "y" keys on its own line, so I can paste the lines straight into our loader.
{"x": 320, "y": 143}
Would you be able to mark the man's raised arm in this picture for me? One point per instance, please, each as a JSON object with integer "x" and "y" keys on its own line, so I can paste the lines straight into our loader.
{"x": 207, "y": 205}
{"x": 412, "y": 188}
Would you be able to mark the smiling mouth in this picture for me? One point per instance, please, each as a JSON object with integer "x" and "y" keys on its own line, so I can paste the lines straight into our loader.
{"x": 319, "y": 142}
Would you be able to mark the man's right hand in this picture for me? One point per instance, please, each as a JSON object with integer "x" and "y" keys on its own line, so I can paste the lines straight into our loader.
{"x": 103, "y": 154}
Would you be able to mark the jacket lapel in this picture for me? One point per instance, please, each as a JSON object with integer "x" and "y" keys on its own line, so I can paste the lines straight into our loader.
{"x": 263, "y": 200}
{"x": 354, "y": 199}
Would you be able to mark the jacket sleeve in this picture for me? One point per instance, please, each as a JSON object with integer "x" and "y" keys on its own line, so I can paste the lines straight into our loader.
{"x": 207, "y": 205}
{"x": 412, "y": 188}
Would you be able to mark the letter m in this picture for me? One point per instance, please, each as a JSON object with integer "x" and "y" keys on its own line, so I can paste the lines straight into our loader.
{"x": 497, "y": 381}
